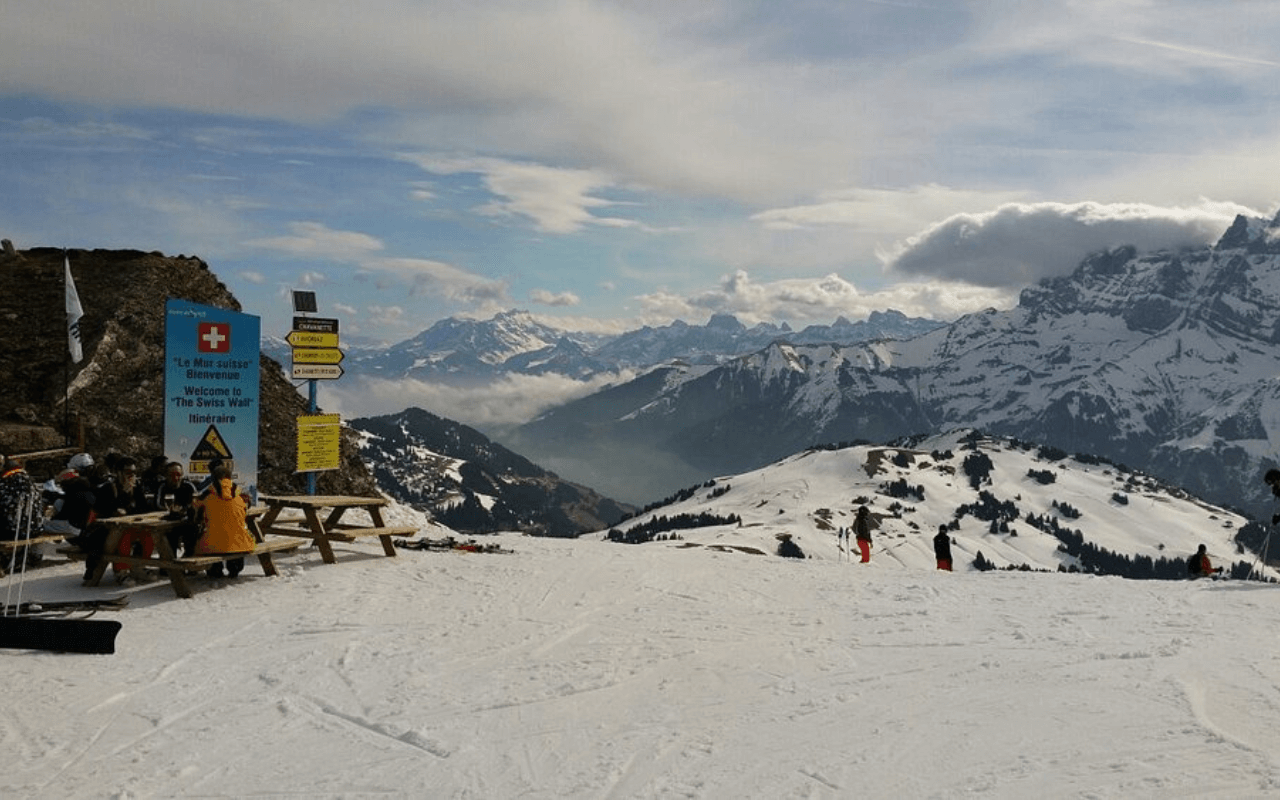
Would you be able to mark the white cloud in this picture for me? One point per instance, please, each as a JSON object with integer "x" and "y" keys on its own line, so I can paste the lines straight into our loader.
{"x": 317, "y": 239}
{"x": 818, "y": 301}
{"x": 252, "y": 276}
{"x": 426, "y": 276}
{"x": 388, "y": 316}
{"x": 556, "y": 200}
{"x": 1018, "y": 244}
{"x": 423, "y": 276}
{"x": 546, "y": 298}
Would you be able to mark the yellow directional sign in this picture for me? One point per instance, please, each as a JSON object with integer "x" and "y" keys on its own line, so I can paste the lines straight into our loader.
{"x": 317, "y": 355}
{"x": 312, "y": 339}
{"x": 316, "y": 372}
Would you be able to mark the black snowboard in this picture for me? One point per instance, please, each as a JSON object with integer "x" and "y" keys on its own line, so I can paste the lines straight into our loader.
{"x": 59, "y": 635}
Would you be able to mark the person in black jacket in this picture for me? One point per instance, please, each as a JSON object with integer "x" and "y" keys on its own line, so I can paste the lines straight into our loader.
{"x": 119, "y": 493}
{"x": 942, "y": 548}
{"x": 177, "y": 497}
{"x": 73, "y": 516}
{"x": 862, "y": 532}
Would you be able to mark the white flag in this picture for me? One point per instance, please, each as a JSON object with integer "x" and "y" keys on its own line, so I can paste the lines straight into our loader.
{"x": 74, "y": 313}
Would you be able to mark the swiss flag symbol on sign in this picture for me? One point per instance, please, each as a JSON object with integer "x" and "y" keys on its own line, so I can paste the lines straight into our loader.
{"x": 213, "y": 337}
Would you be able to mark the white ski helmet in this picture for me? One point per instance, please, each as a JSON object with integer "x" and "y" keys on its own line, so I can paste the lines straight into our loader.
{"x": 80, "y": 462}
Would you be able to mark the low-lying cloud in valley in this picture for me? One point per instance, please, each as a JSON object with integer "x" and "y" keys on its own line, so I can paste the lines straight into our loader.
{"x": 502, "y": 403}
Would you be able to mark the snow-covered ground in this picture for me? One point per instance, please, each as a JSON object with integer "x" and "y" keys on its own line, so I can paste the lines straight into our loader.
{"x": 585, "y": 669}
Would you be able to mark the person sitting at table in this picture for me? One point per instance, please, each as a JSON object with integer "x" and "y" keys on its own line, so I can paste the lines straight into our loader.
{"x": 176, "y": 496}
{"x": 117, "y": 491}
{"x": 220, "y": 510}
{"x": 118, "y": 494}
{"x": 73, "y": 517}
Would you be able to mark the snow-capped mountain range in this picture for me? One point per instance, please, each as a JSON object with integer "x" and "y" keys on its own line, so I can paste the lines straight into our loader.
{"x": 1167, "y": 362}
{"x": 470, "y": 351}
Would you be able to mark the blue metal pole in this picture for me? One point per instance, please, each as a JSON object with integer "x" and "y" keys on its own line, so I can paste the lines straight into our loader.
{"x": 311, "y": 476}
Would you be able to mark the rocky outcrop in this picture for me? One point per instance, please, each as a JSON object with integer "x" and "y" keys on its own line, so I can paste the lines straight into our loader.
{"x": 116, "y": 393}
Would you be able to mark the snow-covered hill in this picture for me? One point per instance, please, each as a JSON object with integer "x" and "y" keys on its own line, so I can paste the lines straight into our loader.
{"x": 585, "y": 669}
{"x": 1016, "y": 504}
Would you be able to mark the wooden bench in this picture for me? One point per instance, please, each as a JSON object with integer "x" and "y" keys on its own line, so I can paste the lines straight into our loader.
{"x": 7, "y": 546}
{"x": 321, "y": 521}
{"x": 177, "y": 568}
{"x": 343, "y": 533}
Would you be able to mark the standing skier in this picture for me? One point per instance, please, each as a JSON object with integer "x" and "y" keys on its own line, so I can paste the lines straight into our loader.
{"x": 942, "y": 548}
{"x": 862, "y": 532}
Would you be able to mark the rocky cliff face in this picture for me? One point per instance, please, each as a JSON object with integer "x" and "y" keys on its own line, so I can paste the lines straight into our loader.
{"x": 116, "y": 391}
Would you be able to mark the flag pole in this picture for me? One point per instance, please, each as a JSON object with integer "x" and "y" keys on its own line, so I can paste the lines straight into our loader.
{"x": 74, "y": 351}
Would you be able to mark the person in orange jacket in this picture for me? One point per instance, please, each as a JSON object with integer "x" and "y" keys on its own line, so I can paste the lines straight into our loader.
{"x": 1201, "y": 567}
{"x": 220, "y": 512}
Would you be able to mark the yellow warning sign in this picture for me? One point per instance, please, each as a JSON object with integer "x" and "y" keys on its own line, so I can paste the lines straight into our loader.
{"x": 211, "y": 446}
{"x": 318, "y": 436}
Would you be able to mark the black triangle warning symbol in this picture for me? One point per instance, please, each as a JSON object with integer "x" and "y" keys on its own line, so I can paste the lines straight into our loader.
{"x": 211, "y": 446}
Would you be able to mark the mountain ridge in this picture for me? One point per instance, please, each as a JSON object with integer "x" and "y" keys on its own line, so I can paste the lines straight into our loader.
{"x": 1165, "y": 361}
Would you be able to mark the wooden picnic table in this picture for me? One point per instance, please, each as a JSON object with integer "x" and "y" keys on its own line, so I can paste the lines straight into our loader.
{"x": 155, "y": 524}
{"x": 321, "y": 521}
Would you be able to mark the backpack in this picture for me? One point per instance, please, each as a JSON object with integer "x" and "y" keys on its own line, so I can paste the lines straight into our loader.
{"x": 1193, "y": 564}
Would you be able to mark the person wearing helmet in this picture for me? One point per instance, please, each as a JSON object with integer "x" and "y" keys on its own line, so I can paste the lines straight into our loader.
{"x": 81, "y": 462}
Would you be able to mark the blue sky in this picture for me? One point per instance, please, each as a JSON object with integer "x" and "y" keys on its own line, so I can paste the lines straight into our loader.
{"x": 611, "y": 164}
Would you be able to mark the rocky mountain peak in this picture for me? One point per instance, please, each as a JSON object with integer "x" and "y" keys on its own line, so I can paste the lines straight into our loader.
{"x": 727, "y": 323}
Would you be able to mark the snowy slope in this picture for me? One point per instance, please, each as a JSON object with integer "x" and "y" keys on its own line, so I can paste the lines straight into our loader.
{"x": 813, "y": 494}
{"x": 584, "y": 669}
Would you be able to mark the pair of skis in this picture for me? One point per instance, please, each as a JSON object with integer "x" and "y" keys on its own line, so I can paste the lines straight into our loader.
{"x": 449, "y": 543}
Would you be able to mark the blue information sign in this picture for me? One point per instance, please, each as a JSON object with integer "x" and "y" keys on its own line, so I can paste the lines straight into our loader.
{"x": 211, "y": 390}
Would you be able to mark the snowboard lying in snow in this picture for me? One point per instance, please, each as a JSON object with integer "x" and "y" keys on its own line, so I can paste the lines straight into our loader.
{"x": 47, "y": 625}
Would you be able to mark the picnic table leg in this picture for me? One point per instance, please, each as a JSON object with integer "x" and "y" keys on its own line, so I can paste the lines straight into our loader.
{"x": 110, "y": 543}
{"x": 268, "y": 565}
{"x": 177, "y": 578}
{"x": 320, "y": 536}
{"x": 388, "y": 546}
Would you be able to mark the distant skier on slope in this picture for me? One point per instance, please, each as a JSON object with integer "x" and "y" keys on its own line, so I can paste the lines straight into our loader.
{"x": 1199, "y": 565}
{"x": 862, "y": 532}
{"x": 942, "y": 548}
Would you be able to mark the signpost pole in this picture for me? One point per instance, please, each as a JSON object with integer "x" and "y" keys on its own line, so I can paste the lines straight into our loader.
{"x": 311, "y": 409}
{"x": 315, "y": 357}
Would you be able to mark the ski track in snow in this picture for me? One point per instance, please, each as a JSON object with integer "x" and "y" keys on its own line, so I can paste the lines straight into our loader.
{"x": 592, "y": 670}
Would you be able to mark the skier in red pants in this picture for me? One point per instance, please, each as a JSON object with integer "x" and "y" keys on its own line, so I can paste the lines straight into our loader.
{"x": 862, "y": 532}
